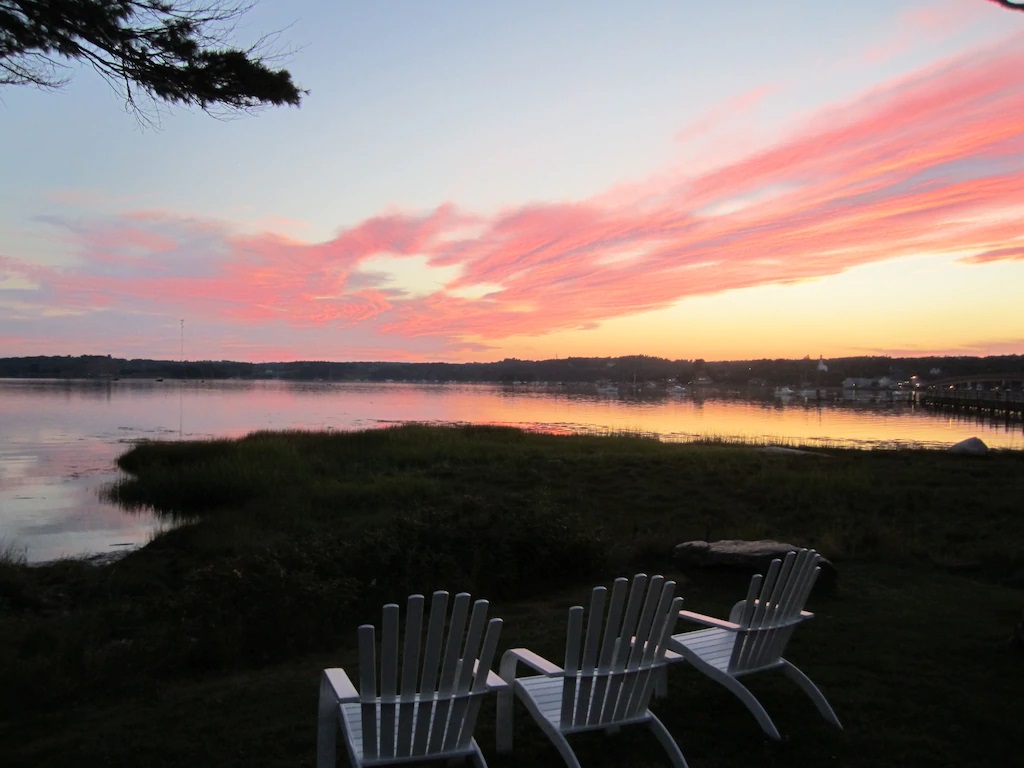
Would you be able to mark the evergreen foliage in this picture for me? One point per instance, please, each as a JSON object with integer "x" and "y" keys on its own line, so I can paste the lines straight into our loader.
{"x": 175, "y": 51}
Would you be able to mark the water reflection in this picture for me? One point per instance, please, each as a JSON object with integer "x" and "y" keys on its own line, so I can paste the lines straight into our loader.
{"x": 61, "y": 438}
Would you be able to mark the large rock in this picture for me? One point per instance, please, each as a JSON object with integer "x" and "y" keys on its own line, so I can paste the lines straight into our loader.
{"x": 742, "y": 555}
{"x": 972, "y": 446}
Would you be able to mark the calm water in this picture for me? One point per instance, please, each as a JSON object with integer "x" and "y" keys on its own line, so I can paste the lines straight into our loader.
{"x": 59, "y": 439}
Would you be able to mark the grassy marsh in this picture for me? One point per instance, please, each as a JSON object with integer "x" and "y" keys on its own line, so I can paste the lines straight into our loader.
{"x": 205, "y": 646}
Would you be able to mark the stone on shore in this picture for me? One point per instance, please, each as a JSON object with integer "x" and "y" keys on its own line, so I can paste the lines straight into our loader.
{"x": 742, "y": 555}
{"x": 783, "y": 451}
{"x": 972, "y": 446}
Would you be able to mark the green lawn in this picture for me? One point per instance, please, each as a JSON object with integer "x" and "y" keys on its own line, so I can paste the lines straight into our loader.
{"x": 205, "y": 647}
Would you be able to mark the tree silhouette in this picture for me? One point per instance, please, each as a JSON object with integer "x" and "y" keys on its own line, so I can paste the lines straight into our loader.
{"x": 174, "y": 51}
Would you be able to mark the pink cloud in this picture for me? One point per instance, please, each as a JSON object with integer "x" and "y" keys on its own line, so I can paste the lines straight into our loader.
{"x": 713, "y": 120}
{"x": 922, "y": 25}
{"x": 928, "y": 164}
{"x": 1011, "y": 253}
{"x": 979, "y": 349}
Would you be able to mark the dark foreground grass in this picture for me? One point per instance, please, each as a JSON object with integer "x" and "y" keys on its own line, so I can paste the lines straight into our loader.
{"x": 204, "y": 648}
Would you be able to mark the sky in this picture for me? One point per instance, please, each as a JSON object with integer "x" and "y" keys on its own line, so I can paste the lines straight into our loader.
{"x": 472, "y": 181}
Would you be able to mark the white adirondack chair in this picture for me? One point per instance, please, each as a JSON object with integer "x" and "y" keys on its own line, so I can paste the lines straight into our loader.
{"x": 607, "y": 681}
{"x": 755, "y": 636}
{"x": 423, "y": 709}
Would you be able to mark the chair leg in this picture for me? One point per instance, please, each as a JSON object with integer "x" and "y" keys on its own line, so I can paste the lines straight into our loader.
{"x": 665, "y": 738}
{"x": 477, "y": 756}
{"x": 326, "y": 729}
{"x": 661, "y": 683}
{"x": 564, "y": 749}
{"x": 554, "y": 735}
{"x": 503, "y": 726}
{"x": 741, "y": 692}
{"x": 755, "y": 708}
{"x": 811, "y": 690}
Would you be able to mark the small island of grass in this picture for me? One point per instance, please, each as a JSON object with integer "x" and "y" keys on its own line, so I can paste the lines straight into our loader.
{"x": 205, "y": 646}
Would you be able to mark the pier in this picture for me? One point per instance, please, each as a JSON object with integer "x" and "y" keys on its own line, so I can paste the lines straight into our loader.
{"x": 990, "y": 394}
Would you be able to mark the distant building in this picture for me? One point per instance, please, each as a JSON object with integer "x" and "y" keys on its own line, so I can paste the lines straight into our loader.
{"x": 885, "y": 382}
{"x": 854, "y": 383}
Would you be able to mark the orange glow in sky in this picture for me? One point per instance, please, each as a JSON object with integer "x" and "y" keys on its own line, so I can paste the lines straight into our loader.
{"x": 885, "y": 220}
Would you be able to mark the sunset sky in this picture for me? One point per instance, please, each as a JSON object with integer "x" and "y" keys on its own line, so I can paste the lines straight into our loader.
{"x": 480, "y": 180}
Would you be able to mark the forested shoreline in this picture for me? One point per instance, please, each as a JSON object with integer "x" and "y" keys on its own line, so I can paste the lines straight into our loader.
{"x": 632, "y": 368}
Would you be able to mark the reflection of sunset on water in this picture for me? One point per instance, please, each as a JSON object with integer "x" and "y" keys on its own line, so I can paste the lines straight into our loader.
{"x": 61, "y": 438}
{"x": 834, "y": 424}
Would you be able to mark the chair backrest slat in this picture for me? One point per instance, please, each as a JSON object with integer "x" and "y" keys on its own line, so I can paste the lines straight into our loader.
{"x": 762, "y": 607}
{"x": 612, "y": 624}
{"x": 464, "y": 668}
{"x": 368, "y": 687}
{"x": 435, "y": 636}
{"x": 400, "y": 720}
{"x": 640, "y": 634}
{"x": 772, "y": 610}
{"x": 474, "y": 698}
{"x": 573, "y": 636}
{"x": 410, "y": 669}
{"x": 750, "y": 602}
{"x": 589, "y": 661}
{"x": 471, "y": 648}
{"x": 413, "y": 641}
{"x": 628, "y": 627}
{"x": 808, "y": 570}
{"x": 431, "y": 662}
{"x": 456, "y": 626}
{"x": 470, "y": 667}
{"x": 750, "y": 644}
{"x": 609, "y": 674}
{"x": 603, "y": 711}
{"x": 642, "y": 631}
{"x": 449, "y": 669}
{"x": 788, "y": 581}
{"x": 609, "y": 643}
{"x": 388, "y": 679}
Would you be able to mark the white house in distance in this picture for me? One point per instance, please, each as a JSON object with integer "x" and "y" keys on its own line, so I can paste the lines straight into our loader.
{"x": 884, "y": 382}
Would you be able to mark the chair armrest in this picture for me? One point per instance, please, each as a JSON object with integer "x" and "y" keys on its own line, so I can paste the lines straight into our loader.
{"x": 530, "y": 659}
{"x": 671, "y": 657}
{"x": 336, "y": 682}
{"x": 710, "y": 621}
{"x": 494, "y": 681}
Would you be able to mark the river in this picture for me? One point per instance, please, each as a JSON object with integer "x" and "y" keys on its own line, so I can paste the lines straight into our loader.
{"x": 59, "y": 439}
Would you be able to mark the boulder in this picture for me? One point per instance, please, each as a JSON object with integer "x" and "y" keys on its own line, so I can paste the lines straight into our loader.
{"x": 783, "y": 451}
{"x": 742, "y": 555}
{"x": 972, "y": 446}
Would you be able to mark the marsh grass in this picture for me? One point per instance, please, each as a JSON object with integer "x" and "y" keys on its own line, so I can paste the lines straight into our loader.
{"x": 205, "y": 645}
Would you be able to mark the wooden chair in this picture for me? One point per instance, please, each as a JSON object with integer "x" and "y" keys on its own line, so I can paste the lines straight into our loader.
{"x": 608, "y": 676}
{"x": 755, "y": 636}
{"x": 423, "y": 709}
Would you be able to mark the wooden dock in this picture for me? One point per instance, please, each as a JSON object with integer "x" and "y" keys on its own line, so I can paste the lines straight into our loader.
{"x": 1009, "y": 404}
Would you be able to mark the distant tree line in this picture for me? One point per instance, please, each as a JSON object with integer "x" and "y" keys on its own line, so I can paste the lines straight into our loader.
{"x": 629, "y": 369}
